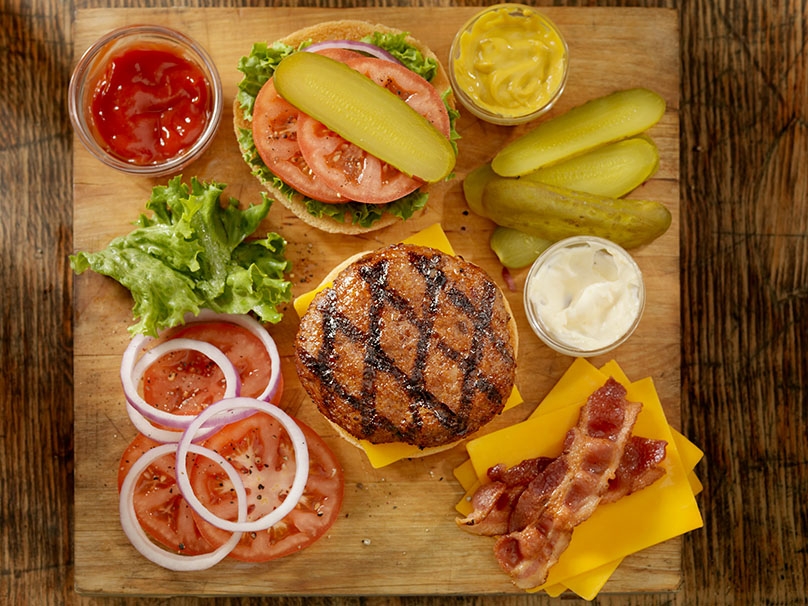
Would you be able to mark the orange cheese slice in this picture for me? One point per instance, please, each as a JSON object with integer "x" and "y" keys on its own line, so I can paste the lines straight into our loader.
{"x": 661, "y": 511}
{"x": 589, "y": 584}
{"x": 580, "y": 377}
{"x": 380, "y": 455}
{"x": 467, "y": 477}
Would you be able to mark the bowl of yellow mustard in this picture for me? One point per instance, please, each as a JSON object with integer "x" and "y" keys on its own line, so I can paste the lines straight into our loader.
{"x": 508, "y": 64}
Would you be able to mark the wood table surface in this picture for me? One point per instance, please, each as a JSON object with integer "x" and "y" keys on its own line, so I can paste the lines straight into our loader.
{"x": 744, "y": 301}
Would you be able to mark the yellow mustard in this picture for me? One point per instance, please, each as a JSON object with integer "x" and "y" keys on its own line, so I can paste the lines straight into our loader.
{"x": 510, "y": 61}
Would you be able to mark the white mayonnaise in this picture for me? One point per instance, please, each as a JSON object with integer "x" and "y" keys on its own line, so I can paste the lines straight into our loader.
{"x": 584, "y": 296}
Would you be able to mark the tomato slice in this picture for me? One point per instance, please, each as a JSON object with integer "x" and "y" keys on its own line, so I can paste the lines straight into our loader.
{"x": 186, "y": 382}
{"x": 275, "y": 135}
{"x": 417, "y": 92}
{"x": 349, "y": 169}
{"x": 346, "y": 167}
{"x": 276, "y": 140}
{"x": 260, "y": 449}
{"x": 160, "y": 508}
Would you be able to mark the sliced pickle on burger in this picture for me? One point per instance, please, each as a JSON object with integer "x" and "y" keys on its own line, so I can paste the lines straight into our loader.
{"x": 366, "y": 114}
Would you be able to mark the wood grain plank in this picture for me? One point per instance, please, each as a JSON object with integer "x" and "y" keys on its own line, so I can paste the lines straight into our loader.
{"x": 743, "y": 96}
{"x": 414, "y": 497}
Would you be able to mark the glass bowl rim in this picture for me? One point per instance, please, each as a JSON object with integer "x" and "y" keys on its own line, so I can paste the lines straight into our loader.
{"x": 481, "y": 112}
{"x": 78, "y": 80}
{"x": 535, "y": 321}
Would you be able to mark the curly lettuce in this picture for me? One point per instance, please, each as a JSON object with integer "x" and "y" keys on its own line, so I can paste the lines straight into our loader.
{"x": 194, "y": 253}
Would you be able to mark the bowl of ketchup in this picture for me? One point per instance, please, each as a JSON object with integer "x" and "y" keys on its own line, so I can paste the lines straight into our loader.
{"x": 146, "y": 100}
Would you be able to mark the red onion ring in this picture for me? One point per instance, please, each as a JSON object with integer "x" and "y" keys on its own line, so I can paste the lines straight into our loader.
{"x": 132, "y": 375}
{"x": 507, "y": 277}
{"x": 258, "y": 330}
{"x": 301, "y": 464}
{"x": 141, "y": 541}
{"x": 137, "y": 345}
{"x": 158, "y": 434}
{"x": 354, "y": 45}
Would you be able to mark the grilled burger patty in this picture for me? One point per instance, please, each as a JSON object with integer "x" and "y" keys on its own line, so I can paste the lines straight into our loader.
{"x": 408, "y": 345}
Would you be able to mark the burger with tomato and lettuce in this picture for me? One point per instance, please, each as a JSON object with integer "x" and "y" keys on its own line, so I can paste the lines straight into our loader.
{"x": 328, "y": 178}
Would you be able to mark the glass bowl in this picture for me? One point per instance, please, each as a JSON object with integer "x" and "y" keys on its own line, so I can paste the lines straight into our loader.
{"x": 91, "y": 72}
{"x": 584, "y": 296}
{"x": 508, "y": 64}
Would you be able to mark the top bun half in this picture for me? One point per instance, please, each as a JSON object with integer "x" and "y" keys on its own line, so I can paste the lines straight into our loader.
{"x": 346, "y": 29}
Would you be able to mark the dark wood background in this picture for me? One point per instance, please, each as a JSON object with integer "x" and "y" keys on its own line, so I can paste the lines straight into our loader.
{"x": 744, "y": 262}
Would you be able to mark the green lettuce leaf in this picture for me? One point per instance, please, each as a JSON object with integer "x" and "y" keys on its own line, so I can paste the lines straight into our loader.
{"x": 193, "y": 253}
{"x": 411, "y": 57}
{"x": 257, "y": 68}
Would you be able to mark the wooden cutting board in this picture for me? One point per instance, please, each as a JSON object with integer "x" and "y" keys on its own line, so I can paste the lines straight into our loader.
{"x": 397, "y": 533}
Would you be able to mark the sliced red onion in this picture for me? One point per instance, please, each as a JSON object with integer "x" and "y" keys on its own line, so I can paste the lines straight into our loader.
{"x": 354, "y": 45}
{"x": 132, "y": 375}
{"x": 301, "y": 464}
{"x": 141, "y": 541}
{"x": 138, "y": 345}
{"x": 159, "y": 434}
{"x": 257, "y": 329}
{"x": 507, "y": 277}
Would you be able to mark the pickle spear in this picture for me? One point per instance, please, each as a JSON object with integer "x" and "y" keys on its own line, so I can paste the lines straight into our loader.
{"x": 366, "y": 114}
{"x": 473, "y": 186}
{"x": 516, "y": 249}
{"x": 616, "y": 116}
{"x": 611, "y": 170}
{"x": 554, "y": 213}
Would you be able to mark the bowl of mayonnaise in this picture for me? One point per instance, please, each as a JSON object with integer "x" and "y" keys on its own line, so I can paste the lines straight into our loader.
{"x": 584, "y": 296}
{"x": 508, "y": 64}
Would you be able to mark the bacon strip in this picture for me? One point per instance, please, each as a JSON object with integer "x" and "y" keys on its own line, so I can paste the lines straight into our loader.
{"x": 640, "y": 466}
{"x": 533, "y": 507}
{"x": 494, "y": 501}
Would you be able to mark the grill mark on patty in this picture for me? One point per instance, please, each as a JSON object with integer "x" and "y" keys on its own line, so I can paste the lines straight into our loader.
{"x": 322, "y": 365}
{"x": 471, "y": 362}
{"x": 334, "y": 322}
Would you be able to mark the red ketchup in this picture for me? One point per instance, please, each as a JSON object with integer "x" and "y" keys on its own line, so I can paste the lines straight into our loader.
{"x": 150, "y": 105}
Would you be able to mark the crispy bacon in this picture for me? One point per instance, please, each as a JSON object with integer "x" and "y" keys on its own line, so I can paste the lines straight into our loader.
{"x": 533, "y": 507}
{"x": 640, "y": 466}
{"x": 494, "y": 501}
